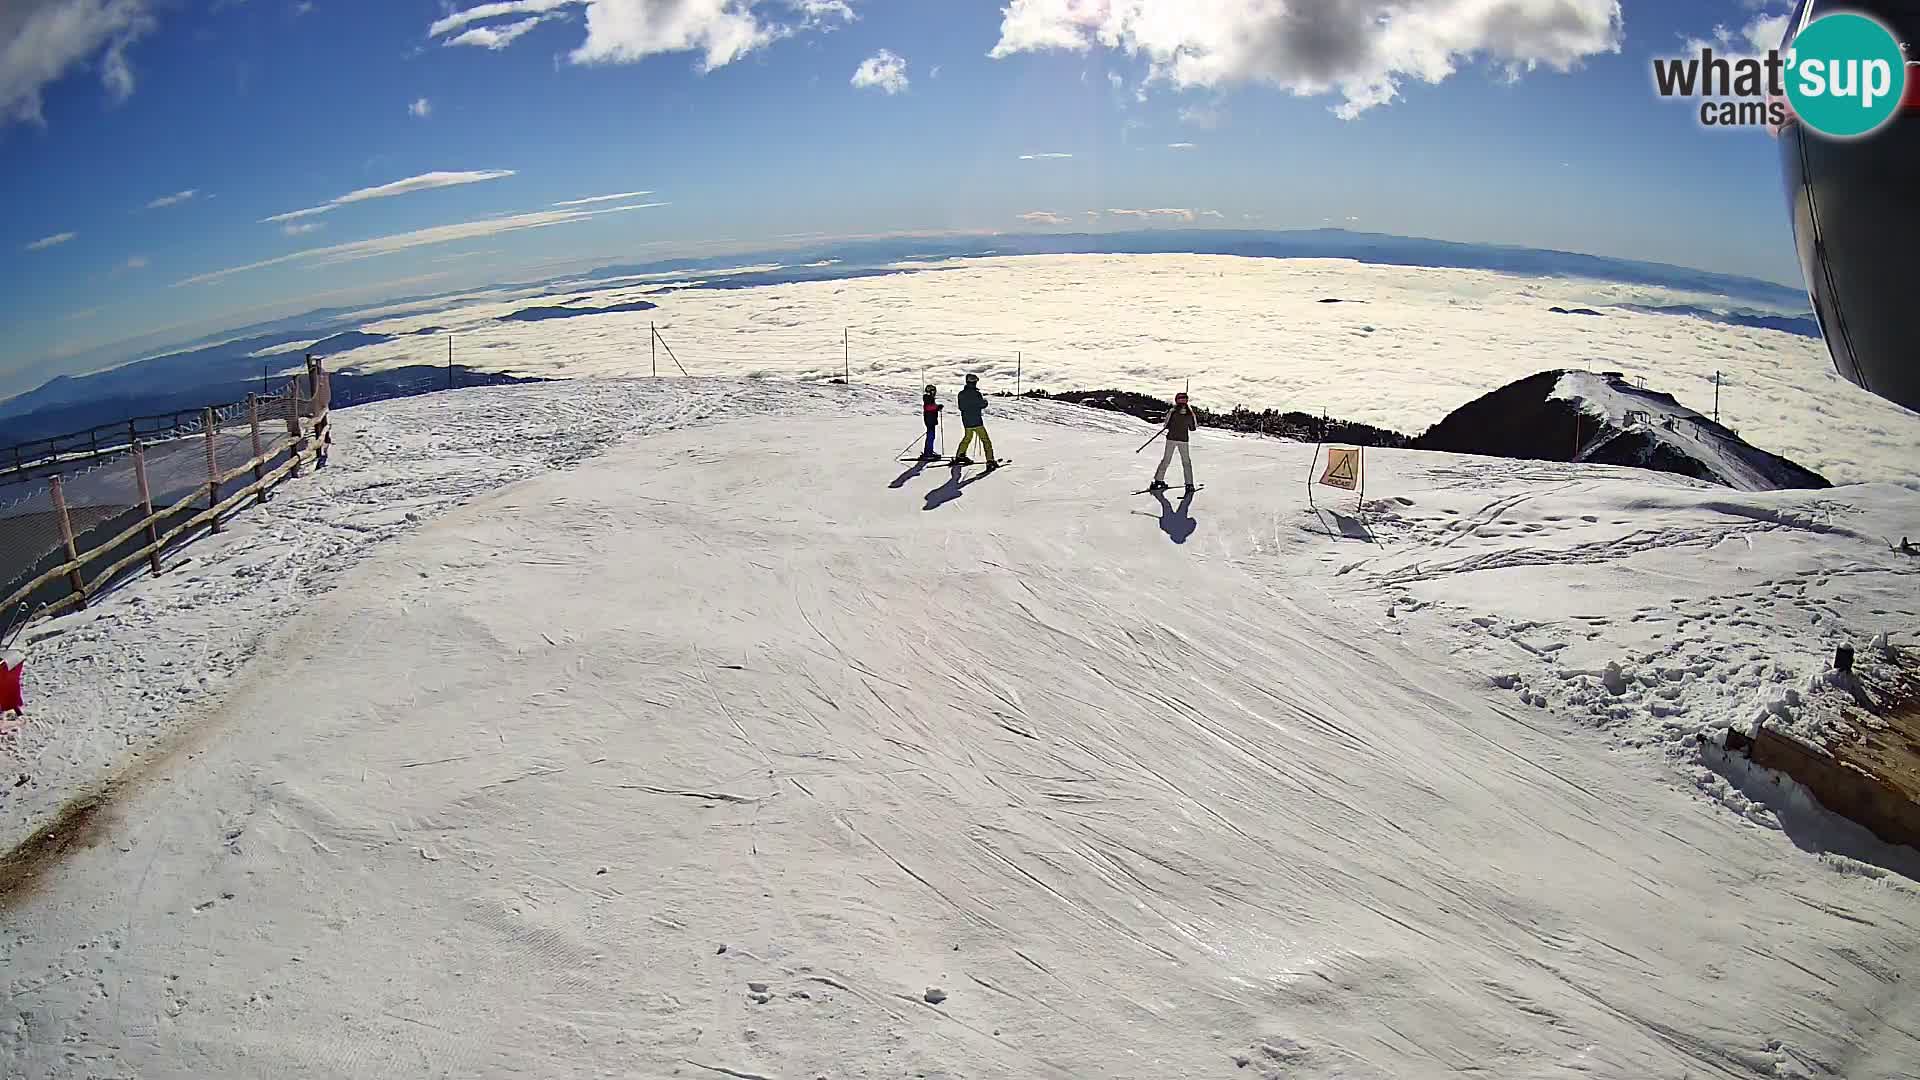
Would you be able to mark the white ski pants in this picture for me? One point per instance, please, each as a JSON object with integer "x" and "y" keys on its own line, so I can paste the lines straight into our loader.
{"x": 1166, "y": 459}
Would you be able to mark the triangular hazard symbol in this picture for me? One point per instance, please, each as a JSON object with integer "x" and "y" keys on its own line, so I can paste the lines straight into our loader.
{"x": 1343, "y": 469}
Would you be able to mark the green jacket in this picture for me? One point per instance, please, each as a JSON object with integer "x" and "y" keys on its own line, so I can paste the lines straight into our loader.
{"x": 973, "y": 406}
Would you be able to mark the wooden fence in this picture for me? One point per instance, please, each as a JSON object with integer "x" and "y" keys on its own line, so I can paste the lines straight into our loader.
{"x": 158, "y": 529}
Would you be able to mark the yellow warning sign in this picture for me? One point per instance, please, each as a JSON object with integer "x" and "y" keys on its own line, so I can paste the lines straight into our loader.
{"x": 1343, "y": 468}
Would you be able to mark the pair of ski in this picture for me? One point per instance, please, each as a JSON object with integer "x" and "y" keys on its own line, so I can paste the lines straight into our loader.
{"x": 997, "y": 462}
{"x": 1158, "y": 490}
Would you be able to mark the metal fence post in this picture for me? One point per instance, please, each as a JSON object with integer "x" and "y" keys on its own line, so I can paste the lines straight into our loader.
{"x": 66, "y": 535}
{"x": 213, "y": 468}
{"x": 146, "y": 503}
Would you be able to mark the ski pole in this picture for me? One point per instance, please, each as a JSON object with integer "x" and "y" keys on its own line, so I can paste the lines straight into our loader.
{"x": 1149, "y": 442}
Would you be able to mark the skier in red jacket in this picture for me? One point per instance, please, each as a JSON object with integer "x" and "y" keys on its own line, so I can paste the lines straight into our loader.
{"x": 930, "y": 411}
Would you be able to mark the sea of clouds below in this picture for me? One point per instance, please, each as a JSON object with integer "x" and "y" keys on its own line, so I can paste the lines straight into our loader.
{"x": 1408, "y": 346}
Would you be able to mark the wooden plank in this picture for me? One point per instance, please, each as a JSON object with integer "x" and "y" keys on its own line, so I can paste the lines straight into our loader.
{"x": 243, "y": 468}
{"x": 74, "y": 579}
{"x": 21, "y": 594}
{"x": 146, "y": 501}
{"x": 209, "y": 423}
{"x": 190, "y": 524}
{"x": 253, "y": 421}
{"x": 150, "y": 524}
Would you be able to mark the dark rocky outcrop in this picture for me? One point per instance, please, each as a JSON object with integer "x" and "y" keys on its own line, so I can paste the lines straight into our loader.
{"x": 1288, "y": 425}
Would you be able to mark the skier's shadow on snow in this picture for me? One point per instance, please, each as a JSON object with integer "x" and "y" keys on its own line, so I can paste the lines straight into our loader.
{"x": 951, "y": 490}
{"x": 1176, "y": 521}
{"x": 918, "y": 468}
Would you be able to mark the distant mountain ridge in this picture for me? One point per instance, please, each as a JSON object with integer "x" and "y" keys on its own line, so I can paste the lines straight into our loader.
{"x": 1377, "y": 248}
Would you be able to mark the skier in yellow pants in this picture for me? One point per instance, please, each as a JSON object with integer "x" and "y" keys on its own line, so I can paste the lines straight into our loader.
{"x": 973, "y": 407}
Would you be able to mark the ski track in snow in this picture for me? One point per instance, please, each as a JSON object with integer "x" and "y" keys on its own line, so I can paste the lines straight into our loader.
{"x": 727, "y": 753}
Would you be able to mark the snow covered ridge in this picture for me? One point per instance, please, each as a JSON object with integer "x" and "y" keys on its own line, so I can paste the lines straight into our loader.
{"x": 745, "y": 749}
{"x": 1652, "y": 430}
{"x": 1604, "y": 419}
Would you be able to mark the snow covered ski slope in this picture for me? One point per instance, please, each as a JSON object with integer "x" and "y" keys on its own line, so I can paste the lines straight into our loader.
{"x": 746, "y": 750}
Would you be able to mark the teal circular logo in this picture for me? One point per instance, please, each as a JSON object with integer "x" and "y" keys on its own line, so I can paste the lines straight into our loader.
{"x": 1845, "y": 75}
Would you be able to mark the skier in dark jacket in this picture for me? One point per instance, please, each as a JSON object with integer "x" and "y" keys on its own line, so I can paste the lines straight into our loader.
{"x": 1180, "y": 424}
{"x": 973, "y": 407}
{"x": 930, "y": 411}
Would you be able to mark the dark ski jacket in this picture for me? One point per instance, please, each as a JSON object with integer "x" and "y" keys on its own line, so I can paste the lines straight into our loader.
{"x": 973, "y": 407}
{"x": 1181, "y": 422}
{"x": 930, "y": 409}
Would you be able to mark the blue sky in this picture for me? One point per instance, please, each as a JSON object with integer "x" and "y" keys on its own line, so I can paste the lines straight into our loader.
{"x": 147, "y": 147}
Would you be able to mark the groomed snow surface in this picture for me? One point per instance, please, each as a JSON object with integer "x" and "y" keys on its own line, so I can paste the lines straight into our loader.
{"x": 744, "y": 749}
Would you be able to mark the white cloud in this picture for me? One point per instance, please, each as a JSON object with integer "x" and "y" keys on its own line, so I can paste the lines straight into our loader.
{"x": 627, "y": 31}
{"x": 42, "y": 40}
{"x": 423, "y": 182}
{"x": 46, "y": 242}
{"x": 300, "y": 228}
{"x": 1045, "y": 217}
{"x": 1180, "y": 146}
{"x": 174, "y": 199}
{"x": 934, "y": 72}
{"x": 604, "y": 198}
{"x": 458, "y": 19}
{"x": 1171, "y": 213}
{"x": 884, "y": 70}
{"x": 303, "y": 7}
{"x": 1358, "y": 49}
{"x": 1044, "y": 157}
{"x": 133, "y": 262}
{"x": 438, "y": 234}
{"x": 421, "y": 108}
{"x": 496, "y": 37}
{"x": 817, "y": 12}
{"x": 1761, "y": 34}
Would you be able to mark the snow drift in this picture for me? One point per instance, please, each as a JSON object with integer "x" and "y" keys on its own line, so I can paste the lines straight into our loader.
{"x": 1603, "y": 419}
